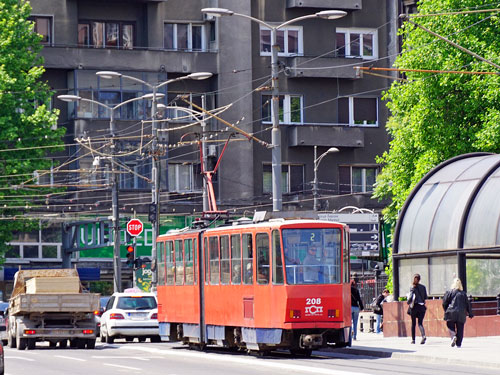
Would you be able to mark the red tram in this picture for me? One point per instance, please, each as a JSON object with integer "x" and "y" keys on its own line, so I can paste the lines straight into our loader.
{"x": 256, "y": 286}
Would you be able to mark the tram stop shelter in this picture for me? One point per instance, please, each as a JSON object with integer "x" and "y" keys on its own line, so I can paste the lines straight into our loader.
{"x": 449, "y": 227}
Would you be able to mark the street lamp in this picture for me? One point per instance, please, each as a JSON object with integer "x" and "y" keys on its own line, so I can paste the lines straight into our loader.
{"x": 275, "y": 134}
{"x": 155, "y": 172}
{"x": 316, "y": 165}
{"x": 117, "y": 279}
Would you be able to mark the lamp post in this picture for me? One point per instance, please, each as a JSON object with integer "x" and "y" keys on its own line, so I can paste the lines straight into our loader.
{"x": 117, "y": 279}
{"x": 155, "y": 171}
{"x": 276, "y": 133}
{"x": 316, "y": 165}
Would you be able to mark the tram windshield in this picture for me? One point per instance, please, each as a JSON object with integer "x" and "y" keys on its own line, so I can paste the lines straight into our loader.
{"x": 312, "y": 256}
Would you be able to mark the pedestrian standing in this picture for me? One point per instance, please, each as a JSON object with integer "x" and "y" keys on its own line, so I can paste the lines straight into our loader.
{"x": 378, "y": 309}
{"x": 356, "y": 307}
{"x": 417, "y": 308}
{"x": 456, "y": 307}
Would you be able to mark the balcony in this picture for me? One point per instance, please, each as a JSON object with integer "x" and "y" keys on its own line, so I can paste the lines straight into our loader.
{"x": 325, "y": 135}
{"x": 324, "y": 67}
{"x": 325, "y": 4}
{"x": 137, "y": 59}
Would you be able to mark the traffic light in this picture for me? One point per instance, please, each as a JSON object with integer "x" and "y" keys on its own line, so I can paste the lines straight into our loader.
{"x": 130, "y": 255}
{"x": 152, "y": 212}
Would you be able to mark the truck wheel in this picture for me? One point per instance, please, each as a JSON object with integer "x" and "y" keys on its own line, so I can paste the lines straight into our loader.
{"x": 63, "y": 344}
{"x": 155, "y": 339}
{"x": 109, "y": 339}
{"x": 11, "y": 341}
{"x": 21, "y": 343}
{"x": 72, "y": 343}
{"x": 31, "y": 344}
{"x": 90, "y": 343}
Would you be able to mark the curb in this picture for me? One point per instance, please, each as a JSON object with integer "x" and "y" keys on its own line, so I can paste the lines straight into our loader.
{"x": 415, "y": 357}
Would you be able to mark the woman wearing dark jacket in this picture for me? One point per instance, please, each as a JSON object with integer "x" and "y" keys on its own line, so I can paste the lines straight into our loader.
{"x": 356, "y": 307}
{"x": 456, "y": 307}
{"x": 416, "y": 300}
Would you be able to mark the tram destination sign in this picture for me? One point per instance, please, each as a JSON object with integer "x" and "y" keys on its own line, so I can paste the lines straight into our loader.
{"x": 364, "y": 229}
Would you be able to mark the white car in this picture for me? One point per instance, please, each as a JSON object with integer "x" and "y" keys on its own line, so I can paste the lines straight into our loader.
{"x": 130, "y": 315}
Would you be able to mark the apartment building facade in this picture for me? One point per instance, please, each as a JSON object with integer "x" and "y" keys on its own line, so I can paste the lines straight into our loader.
{"x": 324, "y": 102}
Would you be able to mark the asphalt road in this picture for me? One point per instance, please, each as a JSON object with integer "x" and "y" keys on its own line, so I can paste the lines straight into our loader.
{"x": 171, "y": 359}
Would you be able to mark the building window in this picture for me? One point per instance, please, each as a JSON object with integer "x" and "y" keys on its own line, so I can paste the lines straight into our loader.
{"x": 289, "y": 41}
{"x": 99, "y": 34}
{"x": 357, "y": 179}
{"x": 184, "y": 37}
{"x": 358, "y": 111}
{"x": 43, "y": 27}
{"x": 180, "y": 177}
{"x": 290, "y": 109}
{"x": 361, "y": 43}
{"x": 292, "y": 178}
{"x": 134, "y": 175}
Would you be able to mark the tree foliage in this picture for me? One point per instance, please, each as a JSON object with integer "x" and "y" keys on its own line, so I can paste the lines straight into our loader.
{"x": 437, "y": 116}
{"x": 26, "y": 120}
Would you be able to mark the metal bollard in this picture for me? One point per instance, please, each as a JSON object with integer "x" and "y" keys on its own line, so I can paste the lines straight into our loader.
{"x": 372, "y": 323}
{"x": 361, "y": 323}
{"x": 498, "y": 304}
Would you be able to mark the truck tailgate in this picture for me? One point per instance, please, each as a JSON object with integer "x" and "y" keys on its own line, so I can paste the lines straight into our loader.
{"x": 77, "y": 302}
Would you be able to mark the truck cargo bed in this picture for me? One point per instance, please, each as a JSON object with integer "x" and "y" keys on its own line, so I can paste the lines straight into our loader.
{"x": 41, "y": 303}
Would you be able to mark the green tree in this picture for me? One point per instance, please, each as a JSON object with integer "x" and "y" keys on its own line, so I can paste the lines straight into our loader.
{"x": 26, "y": 120}
{"x": 437, "y": 116}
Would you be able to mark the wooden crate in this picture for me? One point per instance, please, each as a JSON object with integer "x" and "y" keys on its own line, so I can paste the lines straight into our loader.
{"x": 40, "y": 285}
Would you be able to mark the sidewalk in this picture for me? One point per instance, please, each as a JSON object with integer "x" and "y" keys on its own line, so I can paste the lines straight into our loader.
{"x": 475, "y": 351}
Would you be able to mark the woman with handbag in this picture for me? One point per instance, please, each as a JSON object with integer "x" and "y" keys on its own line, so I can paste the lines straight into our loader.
{"x": 416, "y": 300}
{"x": 456, "y": 307}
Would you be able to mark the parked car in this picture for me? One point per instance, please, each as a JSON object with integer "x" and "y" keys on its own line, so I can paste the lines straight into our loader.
{"x": 102, "y": 307}
{"x": 4, "y": 320}
{"x": 130, "y": 315}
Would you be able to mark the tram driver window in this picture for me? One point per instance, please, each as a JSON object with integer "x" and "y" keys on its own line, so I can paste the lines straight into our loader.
{"x": 247, "y": 249}
{"x": 262, "y": 242}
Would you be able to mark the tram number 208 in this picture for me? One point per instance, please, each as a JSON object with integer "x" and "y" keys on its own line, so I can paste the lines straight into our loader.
{"x": 313, "y": 301}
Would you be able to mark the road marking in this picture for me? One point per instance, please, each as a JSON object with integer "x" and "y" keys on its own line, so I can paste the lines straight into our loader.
{"x": 121, "y": 357}
{"x": 73, "y": 358}
{"x": 22, "y": 358}
{"x": 120, "y": 366}
{"x": 246, "y": 361}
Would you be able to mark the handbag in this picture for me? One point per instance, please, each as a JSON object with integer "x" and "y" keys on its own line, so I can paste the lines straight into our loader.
{"x": 409, "y": 310}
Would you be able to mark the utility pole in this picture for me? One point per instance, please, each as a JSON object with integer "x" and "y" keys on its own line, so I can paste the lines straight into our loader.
{"x": 204, "y": 150}
{"x": 117, "y": 266}
{"x": 155, "y": 192}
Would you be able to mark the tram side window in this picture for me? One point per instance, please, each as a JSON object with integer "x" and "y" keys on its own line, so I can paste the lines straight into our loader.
{"x": 346, "y": 248}
{"x": 262, "y": 242}
{"x": 277, "y": 261}
{"x": 188, "y": 261}
{"x": 235, "y": 259}
{"x": 169, "y": 254}
{"x": 224, "y": 260}
{"x": 161, "y": 263}
{"x": 213, "y": 245}
{"x": 247, "y": 249}
{"x": 207, "y": 260}
{"x": 195, "y": 260}
{"x": 179, "y": 263}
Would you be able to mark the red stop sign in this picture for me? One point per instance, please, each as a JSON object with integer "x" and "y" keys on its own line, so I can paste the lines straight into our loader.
{"x": 134, "y": 227}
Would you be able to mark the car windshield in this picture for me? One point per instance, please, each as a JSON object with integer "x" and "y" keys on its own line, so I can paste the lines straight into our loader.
{"x": 312, "y": 256}
{"x": 136, "y": 303}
